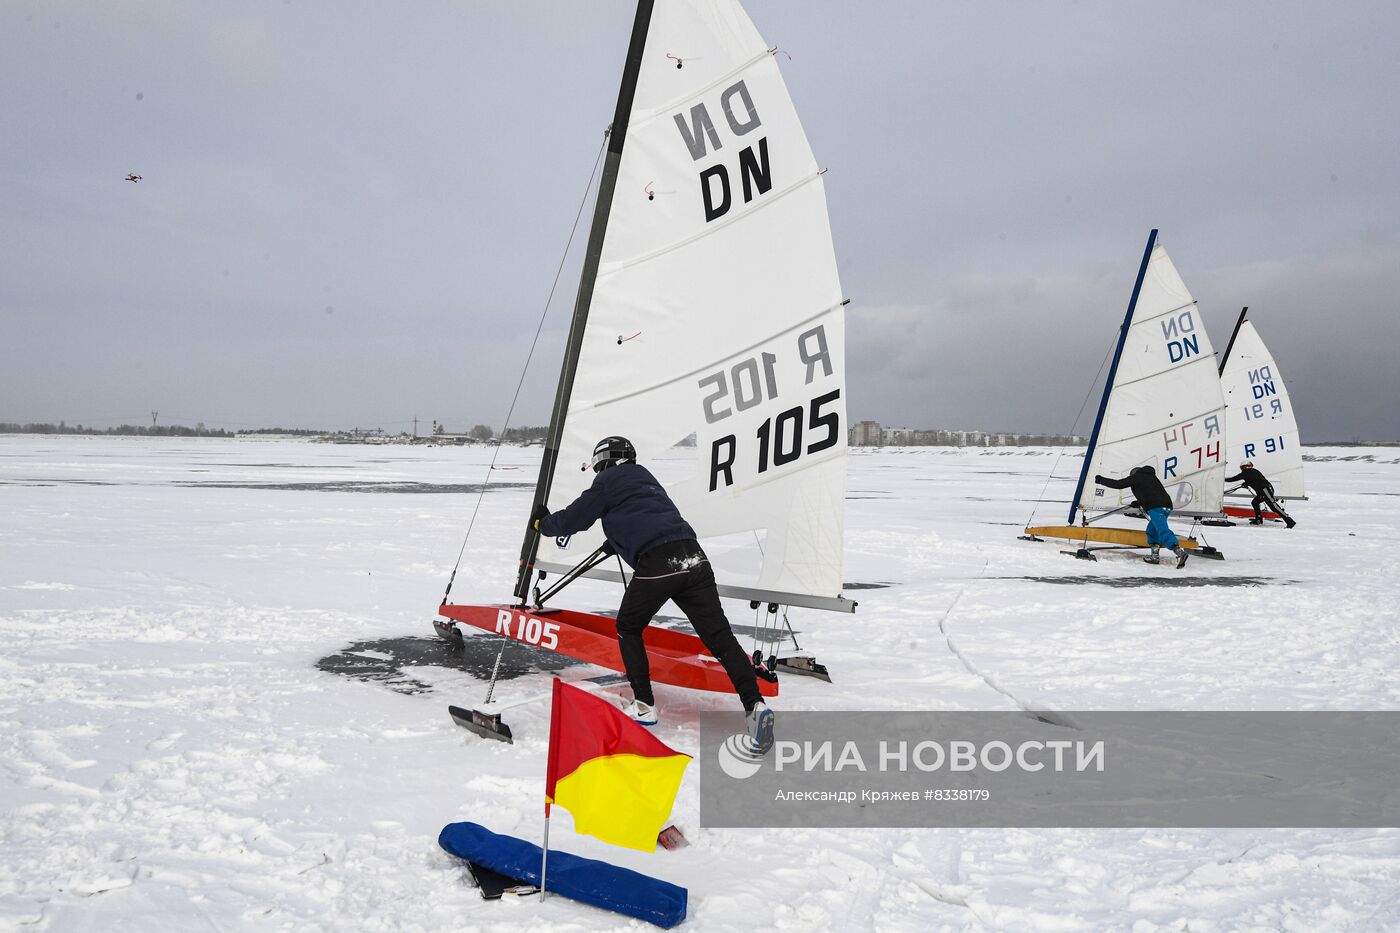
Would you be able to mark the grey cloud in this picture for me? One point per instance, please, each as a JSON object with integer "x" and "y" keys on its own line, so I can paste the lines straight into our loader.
{"x": 994, "y": 170}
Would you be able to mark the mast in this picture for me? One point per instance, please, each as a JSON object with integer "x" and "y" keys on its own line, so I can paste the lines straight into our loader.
{"x": 601, "y": 209}
{"x": 1112, "y": 372}
{"x": 1233, "y": 334}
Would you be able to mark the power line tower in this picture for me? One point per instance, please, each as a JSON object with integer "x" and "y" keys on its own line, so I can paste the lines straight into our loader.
{"x": 154, "y": 415}
{"x": 415, "y": 427}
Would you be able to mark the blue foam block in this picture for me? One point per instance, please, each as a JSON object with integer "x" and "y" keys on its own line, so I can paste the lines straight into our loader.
{"x": 586, "y": 880}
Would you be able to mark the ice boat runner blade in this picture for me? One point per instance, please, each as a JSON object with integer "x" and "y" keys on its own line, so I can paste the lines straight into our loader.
{"x": 485, "y": 720}
{"x": 804, "y": 666}
{"x": 493, "y": 884}
{"x": 486, "y": 725}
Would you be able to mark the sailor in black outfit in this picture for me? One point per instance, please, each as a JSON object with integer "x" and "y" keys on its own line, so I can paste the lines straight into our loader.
{"x": 1263, "y": 493}
{"x": 644, "y": 526}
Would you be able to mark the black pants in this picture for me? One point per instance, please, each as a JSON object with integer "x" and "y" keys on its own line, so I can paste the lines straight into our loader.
{"x": 680, "y": 572}
{"x": 1266, "y": 498}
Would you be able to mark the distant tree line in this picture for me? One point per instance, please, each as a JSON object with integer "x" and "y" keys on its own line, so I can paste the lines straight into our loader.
{"x": 526, "y": 434}
{"x": 296, "y": 432}
{"x": 483, "y": 432}
{"x": 166, "y": 430}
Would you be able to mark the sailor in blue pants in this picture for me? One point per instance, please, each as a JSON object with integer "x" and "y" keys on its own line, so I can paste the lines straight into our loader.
{"x": 1158, "y": 533}
{"x": 1152, "y": 498}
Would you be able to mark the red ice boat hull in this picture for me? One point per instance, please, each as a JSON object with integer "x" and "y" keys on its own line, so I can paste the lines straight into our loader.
{"x": 677, "y": 658}
{"x": 1244, "y": 511}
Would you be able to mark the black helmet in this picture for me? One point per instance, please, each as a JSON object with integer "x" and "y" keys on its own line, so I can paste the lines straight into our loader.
{"x": 1145, "y": 469}
{"x": 611, "y": 451}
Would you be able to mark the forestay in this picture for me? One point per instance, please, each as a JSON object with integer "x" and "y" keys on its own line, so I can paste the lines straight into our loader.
{"x": 1259, "y": 422}
{"x": 1164, "y": 405}
{"x": 717, "y": 315}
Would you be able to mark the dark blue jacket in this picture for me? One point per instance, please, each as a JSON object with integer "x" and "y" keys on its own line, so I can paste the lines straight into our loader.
{"x": 636, "y": 512}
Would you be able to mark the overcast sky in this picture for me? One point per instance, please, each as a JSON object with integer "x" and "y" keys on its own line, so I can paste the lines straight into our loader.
{"x": 350, "y": 214}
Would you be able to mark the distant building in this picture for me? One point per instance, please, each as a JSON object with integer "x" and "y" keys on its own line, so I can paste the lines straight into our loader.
{"x": 897, "y": 437}
{"x": 873, "y": 434}
{"x": 866, "y": 434}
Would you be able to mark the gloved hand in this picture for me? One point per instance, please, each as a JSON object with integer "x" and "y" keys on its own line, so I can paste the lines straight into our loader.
{"x": 540, "y": 513}
{"x": 1135, "y": 504}
{"x": 1100, "y": 480}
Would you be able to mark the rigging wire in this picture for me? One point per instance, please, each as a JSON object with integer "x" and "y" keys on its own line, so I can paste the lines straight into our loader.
{"x": 1035, "y": 504}
{"x": 539, "y": 328}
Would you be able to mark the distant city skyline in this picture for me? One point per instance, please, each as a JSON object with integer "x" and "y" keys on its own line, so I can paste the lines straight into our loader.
{"x": 860, "y": 434}
{"x": 353, "y": 220}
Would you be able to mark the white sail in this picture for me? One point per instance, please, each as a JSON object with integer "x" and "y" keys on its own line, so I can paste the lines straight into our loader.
{"x": 717, "y": 313}
{"x": 1164, "y": 408}
{"x": 1259, "y": 422}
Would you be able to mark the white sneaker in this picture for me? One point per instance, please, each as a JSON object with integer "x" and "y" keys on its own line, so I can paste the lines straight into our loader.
{"x": 760, "y": 725}
{"x": 644, "y": 714}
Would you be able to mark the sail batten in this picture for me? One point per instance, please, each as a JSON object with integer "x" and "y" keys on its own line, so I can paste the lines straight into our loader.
{"x": 1155, "y": 430}
{"x": 1138, "y": 319}
{"x": 713, "y": 363}
{"x": 670, "y": 106}
{"x": 1204, "y": 359}
{"x": 672, "y": 247}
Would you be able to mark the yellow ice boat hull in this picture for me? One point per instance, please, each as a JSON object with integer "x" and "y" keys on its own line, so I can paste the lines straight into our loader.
{"x": 1127, "y": 537}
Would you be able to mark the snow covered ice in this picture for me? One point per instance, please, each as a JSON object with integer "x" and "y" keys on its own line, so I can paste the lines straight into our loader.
{"x": 222, "y": 705}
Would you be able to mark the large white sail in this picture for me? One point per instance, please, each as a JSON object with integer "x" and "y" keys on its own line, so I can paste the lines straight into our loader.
{"x": 1259, "y": 422}
{"x": 717, "y": 314}
{"x": 1164, "y": 407}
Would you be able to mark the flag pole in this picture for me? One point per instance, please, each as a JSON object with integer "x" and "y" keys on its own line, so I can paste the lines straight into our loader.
{"x": 549, "y": 775}
{"x": 544, "y": 853}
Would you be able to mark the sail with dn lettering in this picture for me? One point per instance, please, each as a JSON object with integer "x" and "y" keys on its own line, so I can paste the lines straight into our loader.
{"x": 708, "y": 330}
{"x": 1162, "y": 406}
{"x": 1259, "y": 420}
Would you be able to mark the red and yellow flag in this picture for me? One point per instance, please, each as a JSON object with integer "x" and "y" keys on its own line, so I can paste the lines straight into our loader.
{"x": 616, "y": 778}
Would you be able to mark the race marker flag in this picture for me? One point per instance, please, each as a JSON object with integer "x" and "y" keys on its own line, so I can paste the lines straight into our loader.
{"x": 617, "y": 779}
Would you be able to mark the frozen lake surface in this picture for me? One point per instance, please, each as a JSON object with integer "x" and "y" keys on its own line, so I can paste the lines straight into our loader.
{"x": 222, "y": 705}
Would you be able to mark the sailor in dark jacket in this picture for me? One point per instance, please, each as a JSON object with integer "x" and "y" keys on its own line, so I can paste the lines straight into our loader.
{"x": 1263, "y": 493}
{"x": 643, "y": 525}
{"x": 1152, "y": 497}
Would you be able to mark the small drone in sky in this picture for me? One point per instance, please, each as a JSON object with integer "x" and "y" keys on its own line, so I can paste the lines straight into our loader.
{"x": 133, "y": 178}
